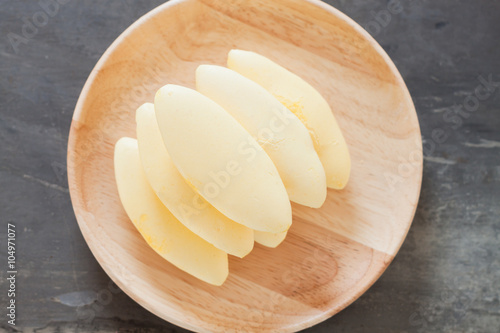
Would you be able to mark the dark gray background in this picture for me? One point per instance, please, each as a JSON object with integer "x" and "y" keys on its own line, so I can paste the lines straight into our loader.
{"x": 446, "y": 277}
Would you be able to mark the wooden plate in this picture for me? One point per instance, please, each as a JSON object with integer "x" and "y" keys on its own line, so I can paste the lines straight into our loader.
{"x": 333, "y": 254}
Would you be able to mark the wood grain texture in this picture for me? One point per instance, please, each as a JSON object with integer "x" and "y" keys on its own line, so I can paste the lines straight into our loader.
{"x": 333, "y": 254}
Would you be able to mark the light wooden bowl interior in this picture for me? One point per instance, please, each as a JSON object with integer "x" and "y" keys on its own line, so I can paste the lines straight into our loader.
{"x": 333, "y": 254}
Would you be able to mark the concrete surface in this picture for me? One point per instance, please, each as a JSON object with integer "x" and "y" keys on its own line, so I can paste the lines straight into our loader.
{"x": 446, "y": 277}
